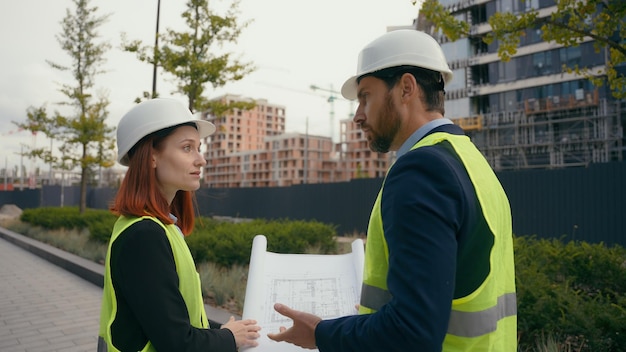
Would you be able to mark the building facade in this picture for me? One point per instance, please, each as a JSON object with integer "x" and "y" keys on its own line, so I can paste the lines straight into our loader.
{"x": 528, "y": 112}
{"x": 251, "y": 149}
{"x": 356, "y": 160}
{"x": 240, "y": 132}
{"x": 284, "y": 160}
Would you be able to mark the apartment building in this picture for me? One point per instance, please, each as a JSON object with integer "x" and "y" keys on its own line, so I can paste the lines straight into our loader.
{"x": 239, "y": 132}
{"x": 528, "y": 113}
{"x": 356, "y": 160}
{"x": 251, "y": 149}
{"x": 285, "y": 160}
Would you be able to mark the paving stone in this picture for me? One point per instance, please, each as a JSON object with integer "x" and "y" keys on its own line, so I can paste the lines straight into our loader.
{"x": 51, "y": 305}
{"x": 44, "y": 307}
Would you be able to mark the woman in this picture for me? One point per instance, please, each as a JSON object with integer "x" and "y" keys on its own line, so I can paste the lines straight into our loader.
{"x": 152, "y": 299}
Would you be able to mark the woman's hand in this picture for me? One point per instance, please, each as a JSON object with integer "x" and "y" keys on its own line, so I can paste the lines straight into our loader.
{"x": 245, "y": 331}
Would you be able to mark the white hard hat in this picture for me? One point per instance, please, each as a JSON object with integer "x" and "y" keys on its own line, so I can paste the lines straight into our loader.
{"x": 151, "y": 116}
{"x": 403, "y": 47}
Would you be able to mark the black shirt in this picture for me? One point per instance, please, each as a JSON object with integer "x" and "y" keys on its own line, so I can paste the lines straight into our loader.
{"x": 150, "y": 306}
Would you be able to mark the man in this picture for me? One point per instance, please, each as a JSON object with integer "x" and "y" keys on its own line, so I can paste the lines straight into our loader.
{"x": 439, "y": 272}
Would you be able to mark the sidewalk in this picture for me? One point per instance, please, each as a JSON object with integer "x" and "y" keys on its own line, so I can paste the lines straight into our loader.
{"x": 50, "y": 299}
{"x": 44, "y": 307}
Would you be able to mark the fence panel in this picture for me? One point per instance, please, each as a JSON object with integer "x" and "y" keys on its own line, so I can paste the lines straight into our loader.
{"x": 574, "y": 203}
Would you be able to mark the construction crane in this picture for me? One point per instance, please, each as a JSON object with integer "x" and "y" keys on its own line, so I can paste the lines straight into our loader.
{"x": 31, "y": 176}
{"x": 331, "y": 100}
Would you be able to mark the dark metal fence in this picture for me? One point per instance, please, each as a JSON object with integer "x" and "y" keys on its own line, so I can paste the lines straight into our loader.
{"x": 574, "y": 203}
{"x": 346, "y": 205}
{"x": 578, "y": 203}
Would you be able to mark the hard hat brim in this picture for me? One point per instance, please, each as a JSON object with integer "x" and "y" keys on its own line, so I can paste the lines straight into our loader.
{"x": 349, "y": 88}
{"x": 205, "y": 128}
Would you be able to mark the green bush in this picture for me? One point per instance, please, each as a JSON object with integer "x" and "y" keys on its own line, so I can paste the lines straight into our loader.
{"x": 98, "y": 222}
{"x": 220, "y": 242}
{"x": 53, "y": 218}
{"x": 228, "y": 244}
{"x": 100, "y": 229}
{"x": 574, "y": 291}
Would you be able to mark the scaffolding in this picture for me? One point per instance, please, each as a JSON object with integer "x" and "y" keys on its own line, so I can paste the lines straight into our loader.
{"x": 550, "y": 133}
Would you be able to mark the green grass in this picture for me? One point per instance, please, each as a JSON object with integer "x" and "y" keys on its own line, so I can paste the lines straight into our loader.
{"x": 224, "y": 287}
{"x": 73, "y": 241}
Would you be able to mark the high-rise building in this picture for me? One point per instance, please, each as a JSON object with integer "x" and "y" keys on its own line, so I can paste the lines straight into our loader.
{"x": 286, "y": 159}
{"x": 527, "y": 112}
{"x": 296, "y": 158}
{"x": 239, "y": 132}
{"x": 251, "y": 149}
{"x": 356, "y": 160}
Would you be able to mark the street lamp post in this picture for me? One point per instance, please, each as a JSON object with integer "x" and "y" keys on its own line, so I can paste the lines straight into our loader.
{"x": 156, "y": 48}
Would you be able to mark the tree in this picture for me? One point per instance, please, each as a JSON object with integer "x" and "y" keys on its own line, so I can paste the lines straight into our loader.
{"x": 190, "y": 56}
{"x": 86, "y": 140}
{"x": 570, "y": 24}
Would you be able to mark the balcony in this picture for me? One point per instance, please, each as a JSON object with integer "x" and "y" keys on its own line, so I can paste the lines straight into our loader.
{"x": 473, "y": 123}
{"x": 572, "y": 101}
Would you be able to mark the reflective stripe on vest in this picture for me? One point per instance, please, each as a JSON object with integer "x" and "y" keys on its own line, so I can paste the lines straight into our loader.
{"x": 374, "y": 297}
{"x": 463, "y": 324}
{"x": 473, "y": 324}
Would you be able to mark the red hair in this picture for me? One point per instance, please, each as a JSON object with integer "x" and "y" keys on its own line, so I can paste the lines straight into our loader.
{"x": 139, "y": 193}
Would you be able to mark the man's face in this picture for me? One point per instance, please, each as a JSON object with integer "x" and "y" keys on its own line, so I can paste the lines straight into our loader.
{"x": 377, "y": 115}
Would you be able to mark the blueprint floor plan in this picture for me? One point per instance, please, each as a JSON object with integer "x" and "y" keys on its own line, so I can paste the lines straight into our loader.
{"x": 328, "y": 286}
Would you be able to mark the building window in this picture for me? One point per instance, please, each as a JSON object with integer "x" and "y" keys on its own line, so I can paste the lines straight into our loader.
{"x": 531, "y": 5}
{"x": 570, "y": 56}
{"x": 542, "y": 63}
{"x": 506, "y": 71}
{"x": 479, "y": 14}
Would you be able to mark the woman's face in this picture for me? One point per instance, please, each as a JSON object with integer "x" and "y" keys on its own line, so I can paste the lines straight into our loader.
{"x": 179, "y": 162}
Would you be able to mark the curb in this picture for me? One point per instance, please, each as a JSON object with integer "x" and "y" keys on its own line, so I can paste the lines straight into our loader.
{"x": 88, "y": 270}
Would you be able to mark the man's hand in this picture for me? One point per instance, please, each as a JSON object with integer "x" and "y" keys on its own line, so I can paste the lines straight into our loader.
{"x": 302, "y": 333}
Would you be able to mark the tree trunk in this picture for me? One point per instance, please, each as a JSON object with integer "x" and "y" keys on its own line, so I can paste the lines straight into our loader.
{"x": 83, "y": 183}
{"x": 83, "y": 190}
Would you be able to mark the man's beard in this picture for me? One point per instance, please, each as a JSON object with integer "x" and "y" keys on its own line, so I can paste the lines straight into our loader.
{"x": 387, "y": 127}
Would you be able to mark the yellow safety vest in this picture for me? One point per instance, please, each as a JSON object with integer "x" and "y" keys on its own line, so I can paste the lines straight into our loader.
{"x": 189, "y": 281}
{"x": 486, "y": 319}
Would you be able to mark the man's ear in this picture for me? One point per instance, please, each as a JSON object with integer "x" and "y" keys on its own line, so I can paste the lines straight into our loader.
{"x": 408, "y": 85}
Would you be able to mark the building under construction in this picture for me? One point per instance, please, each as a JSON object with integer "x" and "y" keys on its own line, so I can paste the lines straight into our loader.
{"x": 251, "y": 149}
{"x": 550, "y": 133}
{"x": 525, "y": 113}
{"x": 528, "y": 113}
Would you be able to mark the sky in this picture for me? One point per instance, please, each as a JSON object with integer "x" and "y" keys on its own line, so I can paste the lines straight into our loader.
{"x": 292, "y": 43}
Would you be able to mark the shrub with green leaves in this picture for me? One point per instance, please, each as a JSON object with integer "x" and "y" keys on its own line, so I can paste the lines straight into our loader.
{"x": 226, "y": 243}
{"x": 99, "y": 222}
{"x": 100, "y": 228}
{"x": 575, "y": 291}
